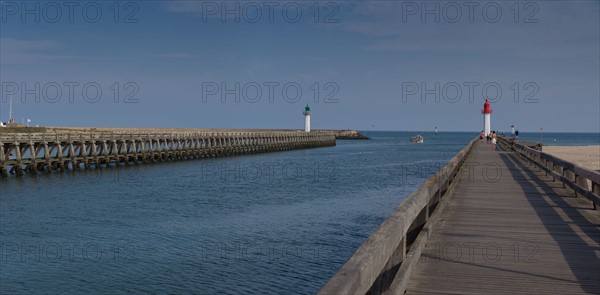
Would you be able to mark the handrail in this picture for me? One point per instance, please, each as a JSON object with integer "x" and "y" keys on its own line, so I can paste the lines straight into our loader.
{"x": 371, "y": 267}
{"x": 581, "y": 180}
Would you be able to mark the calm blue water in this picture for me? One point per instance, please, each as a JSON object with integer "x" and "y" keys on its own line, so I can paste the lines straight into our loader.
{"x": 278, "y": 223}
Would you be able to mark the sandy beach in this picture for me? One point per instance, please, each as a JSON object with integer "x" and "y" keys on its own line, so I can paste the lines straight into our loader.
{"x": 586, "y": 156}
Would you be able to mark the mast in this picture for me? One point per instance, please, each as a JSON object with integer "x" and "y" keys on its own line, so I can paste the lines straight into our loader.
{"x": 10, "y": 109}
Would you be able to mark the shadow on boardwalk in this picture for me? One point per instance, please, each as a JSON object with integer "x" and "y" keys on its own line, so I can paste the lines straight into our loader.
{"x": 577, "y": 236}
{"x": 510, "y": 230}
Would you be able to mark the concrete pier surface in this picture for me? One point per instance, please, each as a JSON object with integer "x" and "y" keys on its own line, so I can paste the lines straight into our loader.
{"x": 586, "y": 156}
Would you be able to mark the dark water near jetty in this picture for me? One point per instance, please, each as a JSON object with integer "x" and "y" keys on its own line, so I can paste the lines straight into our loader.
{"x": 277, "y": 223}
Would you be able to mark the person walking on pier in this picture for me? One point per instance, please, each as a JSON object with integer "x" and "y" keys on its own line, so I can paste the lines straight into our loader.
{"x": 493, "y": 137}
{"x": 481, "y": 136}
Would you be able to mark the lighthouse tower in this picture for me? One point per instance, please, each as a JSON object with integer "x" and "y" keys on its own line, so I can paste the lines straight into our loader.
{"x": 307, "y": 118}
{"x": 487, "y": 112}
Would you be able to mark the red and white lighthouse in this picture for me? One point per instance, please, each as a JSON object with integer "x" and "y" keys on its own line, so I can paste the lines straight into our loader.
{"x": 487, "y": 112}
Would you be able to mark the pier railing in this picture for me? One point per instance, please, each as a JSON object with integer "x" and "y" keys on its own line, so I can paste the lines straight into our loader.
{"x": 584, "y": 182}
{"x": 45, "y": 152}
{"x": 384, "y": 262}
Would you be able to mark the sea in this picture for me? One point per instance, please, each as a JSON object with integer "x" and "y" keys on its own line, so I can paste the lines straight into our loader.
{"x": 273, "y": 223}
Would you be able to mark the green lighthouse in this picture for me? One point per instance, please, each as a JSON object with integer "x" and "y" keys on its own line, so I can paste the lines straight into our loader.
{"x": 307, "y": 118}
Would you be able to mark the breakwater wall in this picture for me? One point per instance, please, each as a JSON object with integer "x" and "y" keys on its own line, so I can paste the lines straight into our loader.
{"x": 347, "y": 134}
{"x": 45, "y": 152}
{"x": 339, "y": 134}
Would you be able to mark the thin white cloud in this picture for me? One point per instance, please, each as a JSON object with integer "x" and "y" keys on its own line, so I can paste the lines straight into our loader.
{"x": 175, "y": 55}
{"x": 8, "y": 43}
{"x": 196, "y": 6}
{"x": 184, "y": 6}
{"x": 562, "y": 31}
{"x": 15, "y": 51}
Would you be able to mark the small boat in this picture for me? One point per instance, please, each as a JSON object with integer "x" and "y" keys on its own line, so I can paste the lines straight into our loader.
{"x": 417, "y": 139}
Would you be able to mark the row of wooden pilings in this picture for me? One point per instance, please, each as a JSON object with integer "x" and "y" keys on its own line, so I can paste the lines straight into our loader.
{"x": 46, "y": 152}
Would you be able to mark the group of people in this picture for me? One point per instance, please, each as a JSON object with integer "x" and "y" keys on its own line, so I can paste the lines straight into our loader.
{"x": 490, "y": 138}
{"x": 515, "y": 135}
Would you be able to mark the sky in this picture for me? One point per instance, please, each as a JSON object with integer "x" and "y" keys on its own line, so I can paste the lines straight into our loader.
{"x": 366, "y": 65}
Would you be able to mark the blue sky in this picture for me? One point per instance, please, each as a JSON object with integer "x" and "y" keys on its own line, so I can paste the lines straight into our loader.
{"x": 377, "y": 61}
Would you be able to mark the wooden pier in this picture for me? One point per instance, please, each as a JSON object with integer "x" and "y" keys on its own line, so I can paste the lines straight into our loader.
{"x": 45, "y": 152}
{"x": 508, "y": 221}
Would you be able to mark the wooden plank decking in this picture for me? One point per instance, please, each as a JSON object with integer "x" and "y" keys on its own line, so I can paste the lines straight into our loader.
{"x": 510, "y": 229}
